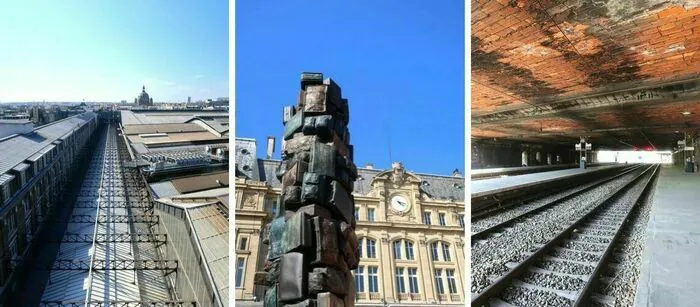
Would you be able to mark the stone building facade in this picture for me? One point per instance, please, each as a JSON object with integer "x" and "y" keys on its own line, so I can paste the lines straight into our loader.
{"x": 410, "y": 227}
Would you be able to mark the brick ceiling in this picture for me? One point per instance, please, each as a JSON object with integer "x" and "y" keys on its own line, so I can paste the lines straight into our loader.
{"x": 618, "y": 71}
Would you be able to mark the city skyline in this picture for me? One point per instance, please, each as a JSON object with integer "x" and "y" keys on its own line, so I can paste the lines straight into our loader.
{"x": 105, "y": 52}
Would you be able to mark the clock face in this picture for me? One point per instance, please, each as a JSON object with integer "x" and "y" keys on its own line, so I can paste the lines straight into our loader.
{"x": 399, "y": 203}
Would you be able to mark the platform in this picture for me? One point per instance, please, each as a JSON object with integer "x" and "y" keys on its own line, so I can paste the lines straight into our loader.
{"x": 670, "y": 270}
{"x": 498, "y": 185}
{"x": 518, "y": 170}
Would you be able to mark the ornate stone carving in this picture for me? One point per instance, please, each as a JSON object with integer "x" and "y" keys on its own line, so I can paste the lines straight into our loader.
{"x": 250, "y": 201}
{"x": 398, "y": 175}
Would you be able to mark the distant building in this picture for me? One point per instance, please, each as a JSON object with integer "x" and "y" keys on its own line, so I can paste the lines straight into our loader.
{"x": 189, "y": 99}
{"x": 143, "y": 99}
{"x": 15, "y": 126}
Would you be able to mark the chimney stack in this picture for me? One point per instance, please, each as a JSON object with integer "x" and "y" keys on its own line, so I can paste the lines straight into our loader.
{"x": 270, "y": 147}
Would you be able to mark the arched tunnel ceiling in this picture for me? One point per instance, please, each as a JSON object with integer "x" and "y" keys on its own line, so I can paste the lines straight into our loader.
{"x": 618, "y": 71}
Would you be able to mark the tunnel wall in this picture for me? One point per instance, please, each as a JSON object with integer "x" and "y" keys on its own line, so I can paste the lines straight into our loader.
{"x": 503, "y": 153}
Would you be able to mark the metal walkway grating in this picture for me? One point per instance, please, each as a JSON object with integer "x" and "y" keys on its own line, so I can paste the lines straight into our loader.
{"x": 108, "y": 254}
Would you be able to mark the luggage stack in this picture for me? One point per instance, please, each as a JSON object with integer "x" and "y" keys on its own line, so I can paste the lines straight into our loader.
{"x": 312, "y": 241}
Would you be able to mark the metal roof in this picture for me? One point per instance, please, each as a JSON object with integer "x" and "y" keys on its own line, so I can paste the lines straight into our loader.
{"x": 161, "y": 128}
{"x": 101, "y": 188}
{"x": 129, "y": 117}
{"x": 211, "y": 228}
{"x": 201, "y": 182}
{"x": 6, "y": 178}
{"x": 16, "y": 149}
{"x": 15, "y": 121}
{"x": 217, "y": 123}
{"x": 163, "y": 189}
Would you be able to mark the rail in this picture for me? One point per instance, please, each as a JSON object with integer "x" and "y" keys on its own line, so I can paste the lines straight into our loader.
{"x": 501, "y": 283}
{"x": 486, "y": 232}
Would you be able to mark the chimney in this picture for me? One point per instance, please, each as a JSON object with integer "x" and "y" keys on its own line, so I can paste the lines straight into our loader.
{"x": 456, "y": 173}
{"x": 270, "y": 147}
{"x": 369, "y": 166}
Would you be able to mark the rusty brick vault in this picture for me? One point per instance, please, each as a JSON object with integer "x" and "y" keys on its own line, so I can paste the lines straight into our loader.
{"x": 619, "y": 72}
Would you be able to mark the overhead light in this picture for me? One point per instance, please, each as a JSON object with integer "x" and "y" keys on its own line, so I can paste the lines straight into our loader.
{"x": 676, "y": 131}
{"x": 686, "y": 113}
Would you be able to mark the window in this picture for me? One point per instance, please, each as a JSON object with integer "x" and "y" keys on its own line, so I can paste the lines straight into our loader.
{"x": 357, "y": 213}
{"x": 360, "y": 279}
{"x": 412, "y": 280}
{"x": 407, "y": 246}
{"x": 438, "y": 281}
{"x": 409, "y": 250}
{"x": 372, "y": 280}
{"x": 400, "y": 286}
{"x": 359, "y": 246}
{"x": 461, "y": 220}
{"x": 274, "y": 209}
{"x": 25, "y": 202}
{"x": 434, "y": 251}
{"x": 239, "y": 272}
{"x": 371, "y": 248}
{"x": 451, "y": 284}
{"x": 445, "y": 251}
{"x": 426, "y": 218}
{"x": 441, "y": 219}
{"x": 243, "y": 244}
{"x": 11, "y": 221}
{"x": 370, "y": 214}
{"x": 397, "y": 249}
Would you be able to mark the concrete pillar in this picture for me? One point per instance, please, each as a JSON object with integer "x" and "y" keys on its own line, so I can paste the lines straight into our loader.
{"x": 558, "y": 159}
{"x": 538, "y": 157}
{"x": 549, "y": 159}
{"x": 524, "y": 158}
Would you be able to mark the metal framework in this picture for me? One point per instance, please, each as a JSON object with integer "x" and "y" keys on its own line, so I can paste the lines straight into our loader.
{"x": 116, "y": 218}
{"x": 112, "y": 237}
{"x": 101, "y": 265}
{"x": 117, "y": 304}
{"x": 683, "y": 91}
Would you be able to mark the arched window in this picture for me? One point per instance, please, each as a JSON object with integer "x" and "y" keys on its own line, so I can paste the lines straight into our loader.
{"x": 371, "y": 248}
{"x": 359, "y": 246}
{"x": 440, "y": 247}
{"x": 397, "y": 249}
{"x": 445, "y": 251}
{"x": 403, "y": 249}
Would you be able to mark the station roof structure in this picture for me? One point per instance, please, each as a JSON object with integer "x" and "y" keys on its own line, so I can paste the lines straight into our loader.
{"x": 623, "y": 73}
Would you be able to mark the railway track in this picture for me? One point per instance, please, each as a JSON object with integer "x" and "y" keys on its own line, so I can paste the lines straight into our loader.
{"x": 492, "y": 228}
{"x": 488, "y": 212}
{"x": 565, "y": 271}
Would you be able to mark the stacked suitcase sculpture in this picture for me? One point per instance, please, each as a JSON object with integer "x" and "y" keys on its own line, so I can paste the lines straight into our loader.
{"x": 312, "y": 242}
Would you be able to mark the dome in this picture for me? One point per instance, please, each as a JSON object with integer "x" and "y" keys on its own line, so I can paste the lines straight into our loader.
{"x": 143, "y": 98}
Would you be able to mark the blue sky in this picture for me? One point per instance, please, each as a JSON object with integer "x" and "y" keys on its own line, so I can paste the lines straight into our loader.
{"x": 400, "y": 64}
{"x": 106, "y": 50}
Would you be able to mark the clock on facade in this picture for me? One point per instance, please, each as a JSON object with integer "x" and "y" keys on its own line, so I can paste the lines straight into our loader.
{"x": 399, "y": 203}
